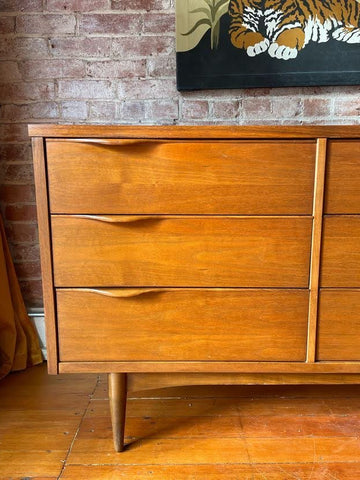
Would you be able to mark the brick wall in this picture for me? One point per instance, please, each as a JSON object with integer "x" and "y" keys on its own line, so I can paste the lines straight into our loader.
{"x": 112, "y": 61}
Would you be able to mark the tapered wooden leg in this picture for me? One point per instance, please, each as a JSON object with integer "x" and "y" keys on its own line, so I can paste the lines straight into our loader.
{"x": 117, "y": 397}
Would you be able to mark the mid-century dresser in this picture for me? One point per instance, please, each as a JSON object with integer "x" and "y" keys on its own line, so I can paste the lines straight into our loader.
{"x": 180, "y": 255}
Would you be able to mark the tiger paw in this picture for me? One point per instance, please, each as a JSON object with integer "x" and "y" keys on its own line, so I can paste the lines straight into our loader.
{"x": 282, "y": 52}
{"x": 348, "y": 35}
{"x": 258, "y": 48}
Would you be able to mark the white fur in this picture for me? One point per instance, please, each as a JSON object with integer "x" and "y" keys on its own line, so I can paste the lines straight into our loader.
{"x": 258, "y": 48}
{"x": 281, "y": 52}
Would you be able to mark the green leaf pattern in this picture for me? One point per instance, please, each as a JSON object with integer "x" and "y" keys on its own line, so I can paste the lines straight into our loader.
{"x": 211, "y": 12}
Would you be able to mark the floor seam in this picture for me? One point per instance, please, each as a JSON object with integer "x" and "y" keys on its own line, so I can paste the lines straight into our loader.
{"x": 78, "y": 429}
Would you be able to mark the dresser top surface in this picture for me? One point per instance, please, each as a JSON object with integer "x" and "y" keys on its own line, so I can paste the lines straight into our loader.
{"x": 198, "y": 131}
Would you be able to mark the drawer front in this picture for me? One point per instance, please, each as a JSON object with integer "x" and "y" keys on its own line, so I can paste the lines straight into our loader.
{"x": 339, "y": 325}
{"x": 342, "y": 192}
{"x": 181, "y": 177}
{"x": 341, "y": 252}
{"x": 186, "y": 324}
{"x": 181, "y": 251}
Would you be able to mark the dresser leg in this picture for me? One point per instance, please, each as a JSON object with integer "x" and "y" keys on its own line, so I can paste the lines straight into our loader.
{"x": 117, "y": 397}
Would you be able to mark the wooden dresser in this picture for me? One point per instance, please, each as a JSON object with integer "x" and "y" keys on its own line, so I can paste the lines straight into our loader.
{"x": 200, "y": 255}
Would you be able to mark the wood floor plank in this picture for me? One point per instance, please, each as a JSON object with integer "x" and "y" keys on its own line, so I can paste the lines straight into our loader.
{"x": 31, "y": 463}
{"x": 301, "y": 450}
{"x": 309, "y": 471}
{"x": 159, "y": 472}
{"x": 300, "y": 426}
{"x": 250, "y": 426}
{"x": 161, "y": 452}
{"x": 164, "y": 427}
{"x": 179, "y": 433}
{"x": 164, "y": 407}
{"x": 170, "y": 407}
{"x": 47, "y": 436}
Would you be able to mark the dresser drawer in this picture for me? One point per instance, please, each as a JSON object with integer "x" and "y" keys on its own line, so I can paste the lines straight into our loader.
{"x": 341, "y": 252}
{"x": 181, "y": 251}
{"x": 342, "y": 191}
{"x": 339, "y": 325}
{"x": 180, "y": 177}
{"x": 191, "y": 324}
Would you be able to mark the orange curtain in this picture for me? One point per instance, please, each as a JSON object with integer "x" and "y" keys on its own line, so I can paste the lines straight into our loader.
{"x": 19, "y": 344}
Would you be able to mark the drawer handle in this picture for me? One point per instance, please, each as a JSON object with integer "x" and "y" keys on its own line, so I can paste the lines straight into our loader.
{"x": 118, "y": 218}
{"x": 123, "y": 292}
{"x": 111, "y": 142}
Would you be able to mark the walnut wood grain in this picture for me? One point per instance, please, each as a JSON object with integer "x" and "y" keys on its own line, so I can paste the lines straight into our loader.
{"x": 206, "y": 131}
{"x": 146, "y": 381}
{"x": 316, "y": 247}
{"x": 339, "y": 325}
{"x": 341, "y": 251}
{"x": 343, "y": 173}
{"x": 200, "y": 177}
{"x": 306, "y": 368}
{"x": 191, "y": 324}
{"x": 183, "y": 251}
{"x": 117, "y": 398}
{"x": 45, "y": 252}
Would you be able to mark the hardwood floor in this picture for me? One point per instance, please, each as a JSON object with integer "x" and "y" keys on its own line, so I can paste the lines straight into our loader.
{"x": 59, "y": 428}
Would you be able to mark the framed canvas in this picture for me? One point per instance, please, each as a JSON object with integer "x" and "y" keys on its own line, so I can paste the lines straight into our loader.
{"x": 267, "y": 43}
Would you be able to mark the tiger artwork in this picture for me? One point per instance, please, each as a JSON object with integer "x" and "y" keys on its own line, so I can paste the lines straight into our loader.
{"x": 284, "y": 27}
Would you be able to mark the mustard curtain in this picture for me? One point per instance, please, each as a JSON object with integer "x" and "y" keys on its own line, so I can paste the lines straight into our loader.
{"x": 19, "y": 344}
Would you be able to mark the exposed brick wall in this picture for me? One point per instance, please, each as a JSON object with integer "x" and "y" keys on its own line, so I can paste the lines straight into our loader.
{"x": 112, "y": 61}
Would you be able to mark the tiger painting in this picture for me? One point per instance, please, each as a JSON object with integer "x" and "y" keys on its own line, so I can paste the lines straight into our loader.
{"x": 284, "y": 27}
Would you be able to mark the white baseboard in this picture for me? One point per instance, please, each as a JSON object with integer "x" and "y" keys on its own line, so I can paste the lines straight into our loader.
{"x": 38, "y": 319}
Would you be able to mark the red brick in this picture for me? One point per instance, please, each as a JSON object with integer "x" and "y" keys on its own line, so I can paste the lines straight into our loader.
{"x": 132, "y": 111}
{"x": 226, "y": 109}
{"x": 257, "y": 108}
{"x": 27, "y": 271}
{"x": 29, "y": 112}
{"x": 11, "y": 132}
{"x": 25, "y": 253}
{"x": 46, "y": 24}
{"x": 347, "y": 107}
{"x": 41, "y": 69}
{"x": 111, "y": 23}
{"x": 257, "y": 92}
{"x": 80, "y": 47}
{"x": 20, "y": 213}
{"x": 145, "y": 46}
{"x": 102, "y": 111}
{"x": 316, "y": 107}
{"x": 116, "y": 69}
{"x": 85, "y": 89}
{"x": 140, "y": 5}
{"x": 147, "y": 88}
{"x": 163, "y": 110}
{"x": 196, "y": 109}
{"x": 15, "y": 152}
{"x": 17, "y": 193}
{"x": 16, "y": 173}
{"x": 287, "y": 107}
{"x": 74, "y": 110}
{"x": 30, "y": 91}
{"x": 164, "y": 66}
{"x": 159, "y": 23}
{"x": 9, "y": 72}
{"x": 21, "y": 233}
{"x": 78, "y": 5}
{"x": 26, "y": 48}
{"x": 20, "y": 5}
{"x": 7, "y": 25}
{"x": 32, "y": 293}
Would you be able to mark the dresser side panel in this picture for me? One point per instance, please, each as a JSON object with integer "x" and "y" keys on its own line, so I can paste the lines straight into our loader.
{"x": 45, "y": 251}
